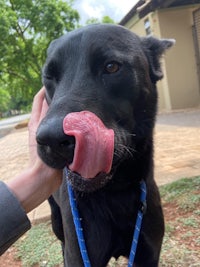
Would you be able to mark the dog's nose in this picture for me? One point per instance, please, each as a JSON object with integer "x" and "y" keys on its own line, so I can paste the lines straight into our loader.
{"x": 52, "y": 139}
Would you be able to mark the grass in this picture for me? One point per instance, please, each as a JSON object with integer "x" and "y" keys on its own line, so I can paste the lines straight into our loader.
{"x": 180, "y": 191}
{"x": 39, "y": 247}
{"x": 181, "y": 246}
{"x": 181, "y": 203}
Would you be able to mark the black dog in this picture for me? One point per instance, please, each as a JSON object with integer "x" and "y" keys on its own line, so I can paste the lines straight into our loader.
{"x": 111, "y": 73}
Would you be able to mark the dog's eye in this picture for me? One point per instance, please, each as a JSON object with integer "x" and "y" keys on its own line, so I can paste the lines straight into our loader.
{"x": 112, "y": 67}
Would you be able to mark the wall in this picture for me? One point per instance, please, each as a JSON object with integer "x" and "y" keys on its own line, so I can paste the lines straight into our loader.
{"x": 181, "y": 68}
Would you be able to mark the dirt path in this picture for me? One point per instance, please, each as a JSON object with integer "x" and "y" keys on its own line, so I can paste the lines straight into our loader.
{"x": 177, "y": 146}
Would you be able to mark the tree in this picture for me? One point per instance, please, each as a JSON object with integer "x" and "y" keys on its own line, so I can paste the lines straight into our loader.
{"x": 26, "y": 29}
{"x": 105, "y": 19}
{"x": 4, "y": 101}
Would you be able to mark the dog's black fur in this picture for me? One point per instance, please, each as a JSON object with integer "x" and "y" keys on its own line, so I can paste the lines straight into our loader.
{"x": 111, "y": 72}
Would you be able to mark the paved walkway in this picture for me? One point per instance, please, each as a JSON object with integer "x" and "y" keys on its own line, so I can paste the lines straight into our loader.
{"x": 177, "y": 146}
{"x": 177, "y": 152}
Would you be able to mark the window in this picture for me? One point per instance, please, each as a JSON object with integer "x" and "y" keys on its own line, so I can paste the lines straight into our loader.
{"x": 147, "y": 27}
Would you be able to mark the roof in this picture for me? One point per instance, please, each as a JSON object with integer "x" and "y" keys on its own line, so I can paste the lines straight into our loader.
{"x": 143, "y": 7}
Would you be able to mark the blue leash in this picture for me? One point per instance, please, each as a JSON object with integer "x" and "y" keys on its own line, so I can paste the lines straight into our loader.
{"x": 138, "y": 224}
{"x": 79, "y": 229}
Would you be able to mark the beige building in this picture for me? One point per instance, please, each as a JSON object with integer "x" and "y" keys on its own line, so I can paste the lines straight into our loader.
{"x": 180, "y": 20}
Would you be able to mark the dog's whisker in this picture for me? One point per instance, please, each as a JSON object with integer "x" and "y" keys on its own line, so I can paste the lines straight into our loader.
{"x": 132, "y": 135}
{"x": 123, "y": 148}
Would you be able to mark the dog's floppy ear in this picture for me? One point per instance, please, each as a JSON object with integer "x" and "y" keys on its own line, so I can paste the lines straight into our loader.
{"x": 154, "y": 49}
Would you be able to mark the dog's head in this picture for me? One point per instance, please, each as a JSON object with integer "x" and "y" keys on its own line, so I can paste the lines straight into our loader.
{"x": 110, "y": 73}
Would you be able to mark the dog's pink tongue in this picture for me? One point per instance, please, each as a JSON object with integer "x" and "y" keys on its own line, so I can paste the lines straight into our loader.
{"x": 94, "y": 143}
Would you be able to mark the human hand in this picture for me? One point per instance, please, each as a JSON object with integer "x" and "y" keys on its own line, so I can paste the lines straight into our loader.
{"x": 39, "y": 109}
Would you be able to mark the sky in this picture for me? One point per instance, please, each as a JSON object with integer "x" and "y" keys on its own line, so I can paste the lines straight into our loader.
{"x": 115, "y": 9}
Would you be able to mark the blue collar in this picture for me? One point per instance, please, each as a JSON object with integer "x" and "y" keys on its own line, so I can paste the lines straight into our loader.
{"x": 79, "y": 229}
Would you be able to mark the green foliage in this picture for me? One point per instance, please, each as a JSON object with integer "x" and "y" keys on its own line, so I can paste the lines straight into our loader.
{"x": 105, "y": 19}
{"x": 92, "y": 21}
{"x": 26, "y": 29}
{"x": 4, "y": 100}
